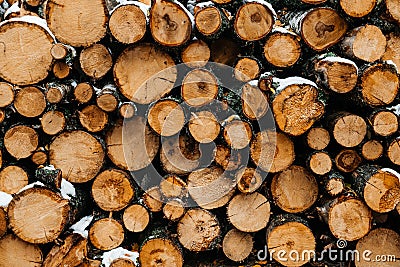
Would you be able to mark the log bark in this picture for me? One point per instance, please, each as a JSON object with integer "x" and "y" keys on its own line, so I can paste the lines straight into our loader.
{"x": 3, "y": 222}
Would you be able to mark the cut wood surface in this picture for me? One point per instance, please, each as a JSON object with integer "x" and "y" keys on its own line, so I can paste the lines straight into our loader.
{"x": 136, "y": 218}
{"x": 21, "y": 62}
{"x": 377, "y": 240}
{"x": 290, "y": 233}
{"x": 295, "y": 189}
{"x": 77, "y": 154}
{"x": 249, "y": 212}
{"x": 47, "y": 209}
{"x": 106, "y": 234}
{"x": 128, "y": 23}
{"x": 349, "y": 219}
{"x": 24, "y": 99}
{"x": 81, "y": 28}
{"x": 21, "y": 141}
{"x": 170, "y": 23}
{"x": 237, "y": 245}
{"x": 112, "y": 190}
{"x": 162, "y": 252}
{"x": 198, "y": 230}
{"x": 15, "y": 252}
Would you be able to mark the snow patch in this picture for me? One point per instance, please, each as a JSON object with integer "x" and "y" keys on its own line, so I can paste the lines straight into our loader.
{"x": 340, "y": 60}
{"x": 13, "y": 9}
{"x": 67, "y": 190}
{"x": 81, "y": 225}
{"x": 395, "y": 109}
{"x": 283, "y": 30}
{"x": 30, "y": 186}
{"x": 5, "y": 199}
{"x": 283, "y": 83}
{"x": 33, "y": 20}
{"x": 392, "y": 172}
{"x": 118, "y": 253}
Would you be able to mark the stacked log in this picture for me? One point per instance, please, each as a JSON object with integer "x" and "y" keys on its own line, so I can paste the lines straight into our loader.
{"x": 199, "y": 133}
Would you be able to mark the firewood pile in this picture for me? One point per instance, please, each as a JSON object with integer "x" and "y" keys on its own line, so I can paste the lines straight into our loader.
{"x": 190, "y": 133}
